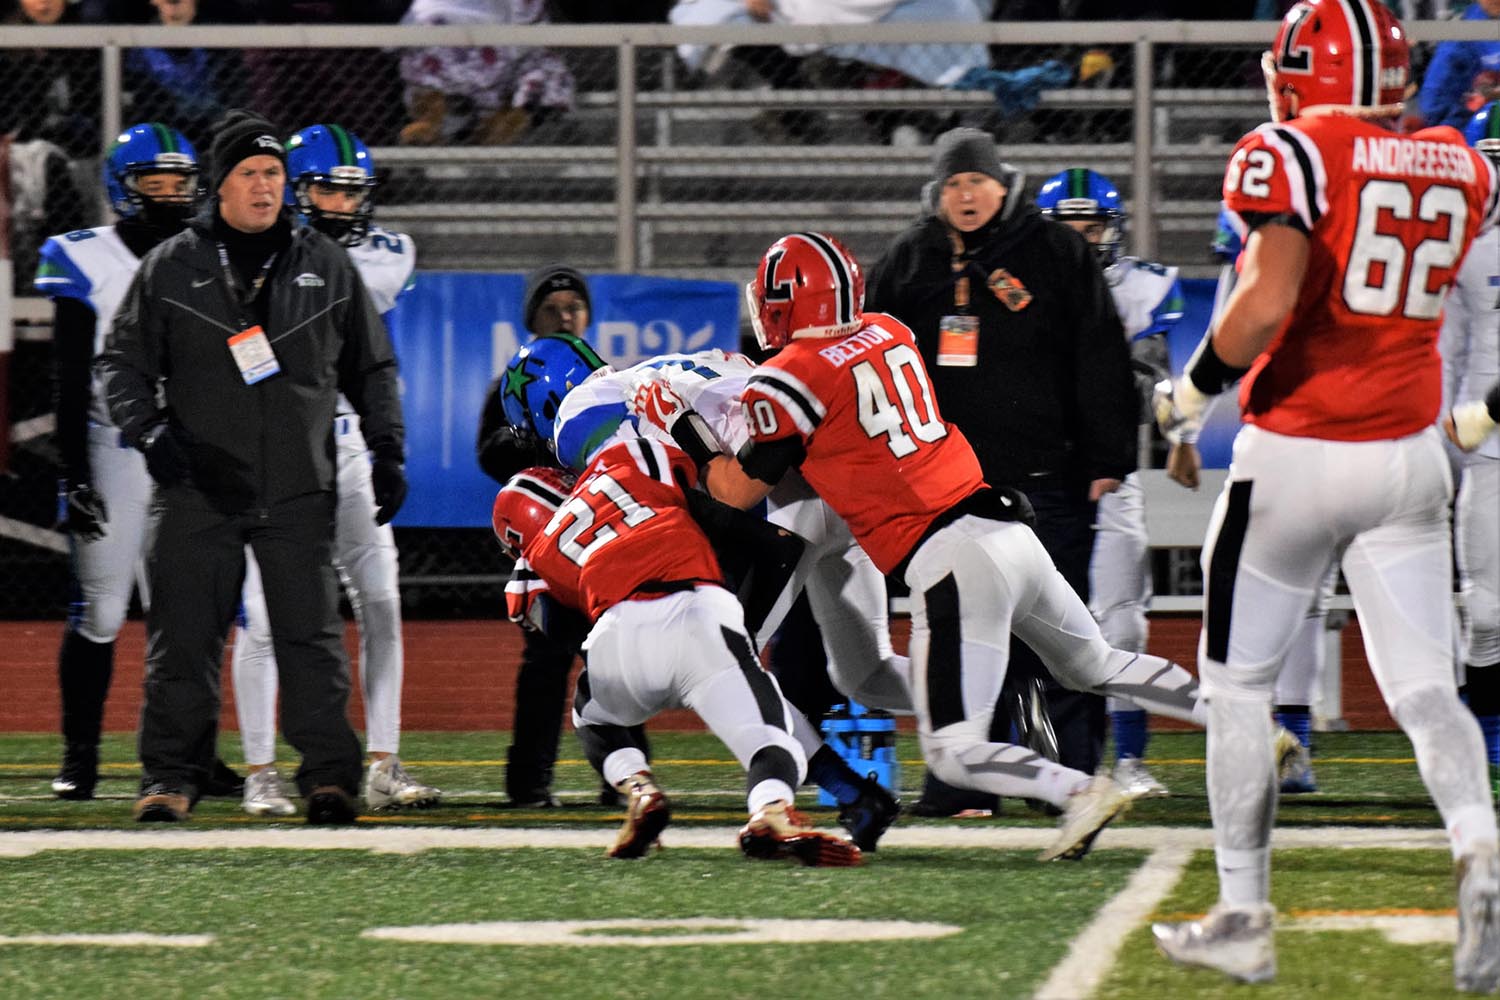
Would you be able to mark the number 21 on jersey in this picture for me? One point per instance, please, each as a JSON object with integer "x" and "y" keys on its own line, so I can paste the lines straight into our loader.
{"x": 597, "y": 502}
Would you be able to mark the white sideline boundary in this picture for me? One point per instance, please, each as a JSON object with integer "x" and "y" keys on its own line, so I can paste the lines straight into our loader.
{"x": 415, "y": 840}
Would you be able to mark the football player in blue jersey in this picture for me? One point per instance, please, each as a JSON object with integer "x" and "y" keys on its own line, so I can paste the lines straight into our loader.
{"x": 1471, "y": 364}
{"x": 151, "y": 177}
{"x": 1149, "y": 299}
{"x": 331, "y": 183}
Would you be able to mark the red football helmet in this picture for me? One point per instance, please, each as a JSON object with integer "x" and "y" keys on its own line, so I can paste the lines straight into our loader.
{"x": 808, "y": 285}
{"x": 526, "y": 503}
{"x": 1343, "y": 55}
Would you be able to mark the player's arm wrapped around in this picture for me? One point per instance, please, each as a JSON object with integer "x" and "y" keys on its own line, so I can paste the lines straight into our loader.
{"x": 657, "y": 407}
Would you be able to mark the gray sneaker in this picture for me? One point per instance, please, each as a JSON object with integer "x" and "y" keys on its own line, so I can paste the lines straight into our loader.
{"x": 1089, "y": 810}
{"x": 1476, "y": 960}
{"x": 265, "y": 796}
{"x": 1139, "y": 782}
{"x": 1235, "y": 940}
{"x": 388, "y": 786}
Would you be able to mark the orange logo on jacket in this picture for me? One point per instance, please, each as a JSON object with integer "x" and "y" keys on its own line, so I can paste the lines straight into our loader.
{"x": 1009, "y": 290}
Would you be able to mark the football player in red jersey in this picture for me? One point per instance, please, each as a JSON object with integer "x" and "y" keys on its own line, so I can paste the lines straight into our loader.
{"x": 1355, "y": 234}
{"x": 847, "y": 400}
{"x": 666, "y": 633}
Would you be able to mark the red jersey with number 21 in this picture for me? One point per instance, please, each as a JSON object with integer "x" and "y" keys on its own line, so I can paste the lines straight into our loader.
{"x": 625, "y": 525}
{"x": 878, "y": 451}
{"x": 1389, "y": 219}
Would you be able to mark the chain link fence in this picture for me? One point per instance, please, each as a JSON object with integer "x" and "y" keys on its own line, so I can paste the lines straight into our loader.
{"x": 500, "y": 148}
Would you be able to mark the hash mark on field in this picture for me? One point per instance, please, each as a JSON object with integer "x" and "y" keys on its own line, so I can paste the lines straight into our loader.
{"x": 1092, "y": 953}
{"x": 129, "y": 940}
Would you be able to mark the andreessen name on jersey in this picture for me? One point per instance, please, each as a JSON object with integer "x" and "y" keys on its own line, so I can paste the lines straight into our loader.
{"x": 1413, "y": 158}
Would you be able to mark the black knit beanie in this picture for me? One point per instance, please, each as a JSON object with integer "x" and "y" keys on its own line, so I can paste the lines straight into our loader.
{"x": 965, "y": 150}
{"x": 239, "y": 135}
{"x": 548, "y": 279}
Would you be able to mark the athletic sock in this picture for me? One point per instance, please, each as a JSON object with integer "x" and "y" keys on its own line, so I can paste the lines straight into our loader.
{"x": 1297, "y": 719}
{"x": 1130, "y": 733}
{"x": 829, "y": 772}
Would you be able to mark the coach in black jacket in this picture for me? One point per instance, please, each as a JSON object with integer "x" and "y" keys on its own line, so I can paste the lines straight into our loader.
{"x": 250, "y": 327}
{"x": 1028, "y": 358}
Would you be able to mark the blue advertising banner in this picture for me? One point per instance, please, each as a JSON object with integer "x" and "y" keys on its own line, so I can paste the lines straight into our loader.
{"x": 455, "y": 331}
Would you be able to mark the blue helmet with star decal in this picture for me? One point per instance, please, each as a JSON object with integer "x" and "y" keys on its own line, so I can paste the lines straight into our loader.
{"x": 540, "y": 376}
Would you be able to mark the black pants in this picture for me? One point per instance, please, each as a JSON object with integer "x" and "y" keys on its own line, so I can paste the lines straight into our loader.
{"x": 196, "y": 569}
{"x": 1065, "y": 526}
{"x": 541, "y": 696}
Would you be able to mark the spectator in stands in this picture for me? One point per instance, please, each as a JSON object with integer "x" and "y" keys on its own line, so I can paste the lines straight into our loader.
{"x": 51, "y": 94}
{"x": 1462, "y": 76}
{"x": 876, "y": 67}
{"x": 491, "y": 94}
{"x": 181, "y": 85}
{"x": 608, "y": 11}
{"x": 355, "y": 87}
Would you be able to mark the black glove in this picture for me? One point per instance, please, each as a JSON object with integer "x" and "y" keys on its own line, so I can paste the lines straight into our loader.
{"x": 81, "y": 511}
{"x": 388, "y": 477}
{"x": 166, "y": 459}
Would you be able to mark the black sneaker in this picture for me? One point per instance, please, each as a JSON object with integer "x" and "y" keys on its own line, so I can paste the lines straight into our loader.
{"x": 223, "y": 782}
{"x": 870, "y": 815}
{"x": 540, "y": 798}
{"x": 330, "y": 805}
{"x": 79, "y": 773}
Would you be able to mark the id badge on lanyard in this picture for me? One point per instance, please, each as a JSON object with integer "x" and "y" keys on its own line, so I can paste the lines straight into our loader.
{"x": 250, "y": 348}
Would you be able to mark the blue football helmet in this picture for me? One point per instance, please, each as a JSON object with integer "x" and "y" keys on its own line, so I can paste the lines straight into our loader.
{"x": 1081, "y": 194}
{"x": 150, "y": 148}
{"x": 331, "y": 156}
{"x": 539, "y": 377}
{"x": 1483, "y": 130}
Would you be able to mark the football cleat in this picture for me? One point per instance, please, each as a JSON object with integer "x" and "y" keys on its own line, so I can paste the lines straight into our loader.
{"x": 1139, "y": 782}
{"x": 870, "y": 815}
{"x": 1089, "y": 810}
{"x": 779, "y": 831}
{"x": 647, "y": 814}
{"x": 1476, "y": 960}
{"x": 1290, "y": 755}
{"x": 330, "y": 805}
{"x": 1236, "y": 940}
{"x": 388, "y": 786}
{"x": 265, "y": 796}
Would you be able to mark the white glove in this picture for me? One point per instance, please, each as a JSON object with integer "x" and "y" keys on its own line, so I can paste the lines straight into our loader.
{"x": 1471, "y": 424}
{"x": 1179, "y": 407}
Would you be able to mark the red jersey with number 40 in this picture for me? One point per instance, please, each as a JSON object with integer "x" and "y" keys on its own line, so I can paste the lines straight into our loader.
{"x": 877, "y": 449}
{"x": 625, "y": 525}
{"x": 1389, "y": 219}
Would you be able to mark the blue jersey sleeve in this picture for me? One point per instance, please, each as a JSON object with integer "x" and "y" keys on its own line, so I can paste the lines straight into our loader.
{"x": 57, "y": 276}
{"x": 586, "y": 431}
{"x": 1168, "y": 312}
{"x": 1227, "y": 243}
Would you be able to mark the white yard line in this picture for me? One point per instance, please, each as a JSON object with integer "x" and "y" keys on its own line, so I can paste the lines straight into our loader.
{"x": 1092, "y": 953}
{"x": 127, "y": 940}
{"x": 387, "y": 839}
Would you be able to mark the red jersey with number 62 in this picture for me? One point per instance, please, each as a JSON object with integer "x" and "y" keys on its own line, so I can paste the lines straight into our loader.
{"x": 625, "y": 525}
{"x": 1389, "y": 218}
{"x": 877, "y": 449}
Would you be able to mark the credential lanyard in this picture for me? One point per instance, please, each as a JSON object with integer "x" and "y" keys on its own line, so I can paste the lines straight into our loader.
{"x": 235, "y": 292}
{"x": 960, "y": 268}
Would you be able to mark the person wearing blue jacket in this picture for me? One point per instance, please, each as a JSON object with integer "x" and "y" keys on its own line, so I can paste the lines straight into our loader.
{"x": 1462, "y": 76}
